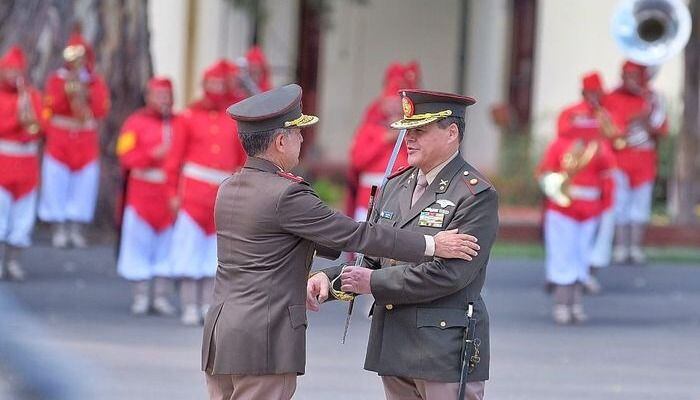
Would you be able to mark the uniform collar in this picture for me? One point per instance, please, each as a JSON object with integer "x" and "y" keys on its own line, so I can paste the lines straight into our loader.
{"x": 261, "y": 165}
{"x": 433, "y": 173}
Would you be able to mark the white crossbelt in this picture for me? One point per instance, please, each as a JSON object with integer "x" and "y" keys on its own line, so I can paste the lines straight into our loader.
{"x": 73, "y": 124}
{"x": 12, "y": 148}
{"x": 204, "y": 174}
{"x": 152, "y": 175}
{"x": 590, "y": 193}
{"x": 369, "y": 179}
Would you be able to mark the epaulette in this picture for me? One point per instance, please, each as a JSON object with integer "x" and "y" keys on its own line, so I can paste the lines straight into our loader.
{"x": 290, "y": 176}
{"x": 398, "y": 172}
{"x": 475, "y": 182}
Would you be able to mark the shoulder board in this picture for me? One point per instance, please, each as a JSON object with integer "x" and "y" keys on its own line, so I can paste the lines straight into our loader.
{"x": 475, "y": 182}
{"x": 291, "y": 177}
{"x": 398, "y": 172}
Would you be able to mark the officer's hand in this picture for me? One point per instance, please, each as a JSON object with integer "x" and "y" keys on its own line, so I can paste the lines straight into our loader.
{"x": 356, "y": 280}
{"x": 450, "y": 244}
{"x": 317, "y": 291}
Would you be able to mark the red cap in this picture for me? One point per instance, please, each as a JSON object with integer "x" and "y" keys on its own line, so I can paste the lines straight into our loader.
{"x": 256, "y": 56}
{"x": 14, "y": 58}
{"x": 412, "y": 75}
{"x": 160, "y": 82}
{"x": 394, "y": 78}
{"x": 220, "y": 69}
{"x": 76, "y": 39}
{"x": 592, "y": 82}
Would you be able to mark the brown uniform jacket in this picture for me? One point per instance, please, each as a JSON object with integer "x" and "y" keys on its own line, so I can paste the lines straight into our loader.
{"x": 419, "y": 316}
{"x": 269, "y": 224}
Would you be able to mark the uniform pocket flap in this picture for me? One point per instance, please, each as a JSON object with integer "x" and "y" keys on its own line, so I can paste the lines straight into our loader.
{"x": 442, "y": 318}
{"x": 297, "y": 315}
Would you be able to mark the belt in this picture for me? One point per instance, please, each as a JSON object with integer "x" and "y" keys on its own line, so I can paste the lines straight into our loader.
{"x": 152, "y": 175}
{"x": 205, "y": 174}
{"x": 370, "y": 179}
{"x": 590, "y": 193}
{"x": 12, "y": 148}
{"x": 73, "y": 124}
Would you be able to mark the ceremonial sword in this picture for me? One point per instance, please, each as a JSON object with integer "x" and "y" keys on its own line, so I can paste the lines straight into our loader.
{"x": 467, "y": 346}
{"x": 373, "y": 193}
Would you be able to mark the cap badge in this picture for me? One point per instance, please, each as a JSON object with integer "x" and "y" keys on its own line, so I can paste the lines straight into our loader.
{"x": 407, "y": 105}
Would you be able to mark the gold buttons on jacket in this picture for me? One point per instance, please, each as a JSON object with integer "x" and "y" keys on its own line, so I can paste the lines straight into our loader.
{"x": 214, "y": 129}
{"x": 443, "y": 324}
{"x": 473, "y": 181}
{"x": 215, "y": 149}
{"x": 389, "y": 307}
{"x": 466, "y": 173}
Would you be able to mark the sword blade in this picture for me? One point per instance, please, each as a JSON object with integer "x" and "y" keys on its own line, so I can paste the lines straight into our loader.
{"x": 347, "y": 321}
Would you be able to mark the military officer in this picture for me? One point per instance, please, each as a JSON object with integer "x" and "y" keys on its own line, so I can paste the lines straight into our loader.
{"x": 269, "y": 223}
{"x": 419, "y": 317}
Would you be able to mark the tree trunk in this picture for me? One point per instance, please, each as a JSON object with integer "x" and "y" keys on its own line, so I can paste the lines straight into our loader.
{"x": 118, "y": 31}
{"x": 685, "y": 188}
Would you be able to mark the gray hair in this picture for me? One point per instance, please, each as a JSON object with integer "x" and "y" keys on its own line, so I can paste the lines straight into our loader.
{"x": 256, "y": 143}
{"x": 446, "y": 122}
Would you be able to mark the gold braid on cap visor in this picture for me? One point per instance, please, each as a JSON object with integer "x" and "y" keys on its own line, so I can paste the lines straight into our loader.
{"x": 302, "y": 121}
{"x": 417, "y": 120}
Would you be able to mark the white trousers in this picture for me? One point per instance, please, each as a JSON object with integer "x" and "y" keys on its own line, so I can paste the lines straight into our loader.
{"x": 601, "y": 252}
{"x": 17, "y": 217}
{"x": 632, "y": 205}
{"x": 193, "y": 253}
{"x": 68, "y": 195}
{"x": 142, "y": 250}
{"x": 568, "y": 244}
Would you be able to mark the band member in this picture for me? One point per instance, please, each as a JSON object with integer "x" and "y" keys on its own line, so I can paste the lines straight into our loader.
{"x": 422, "y": 305}
{"x": 202, "y": 156}
{"x": 258, "y": 68}
{"x": 374, "y": 140}
{"x": 643, "y": 117}
{"x": 142, "y": 147}
{"x": 576, "y": 176}
{"x": 76, "y": 99}
{"x": 20, "y": 131}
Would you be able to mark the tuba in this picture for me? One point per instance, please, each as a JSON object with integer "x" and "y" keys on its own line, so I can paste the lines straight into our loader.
{"x": 650, "y": 32}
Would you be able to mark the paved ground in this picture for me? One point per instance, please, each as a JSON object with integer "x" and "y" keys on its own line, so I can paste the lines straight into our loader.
{"x": 643, "y": 341}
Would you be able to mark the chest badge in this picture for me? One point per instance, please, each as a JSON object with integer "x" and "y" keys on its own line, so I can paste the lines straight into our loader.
{"x": 387, "y": 215}
{"x": 444, "y": 203}
{"x": 431, "y": 218}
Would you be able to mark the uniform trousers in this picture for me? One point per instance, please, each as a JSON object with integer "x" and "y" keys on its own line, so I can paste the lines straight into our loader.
{"x": 193, "y": 253}
{"x": 632, "y": 205}
{"x": 251, "y": 387}
{"x": 400, "y": 388}
{"x": 17, "y": 218}
{"x": 68, "y": 195}
{"x": 568, "y": 243}
{"x": 142, "y": 250}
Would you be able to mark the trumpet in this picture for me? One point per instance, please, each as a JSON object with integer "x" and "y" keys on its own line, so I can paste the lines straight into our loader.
{"x": 78, "y": 97}
{"x": 555, "y": 185}
{"x": 27, "y": 115}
